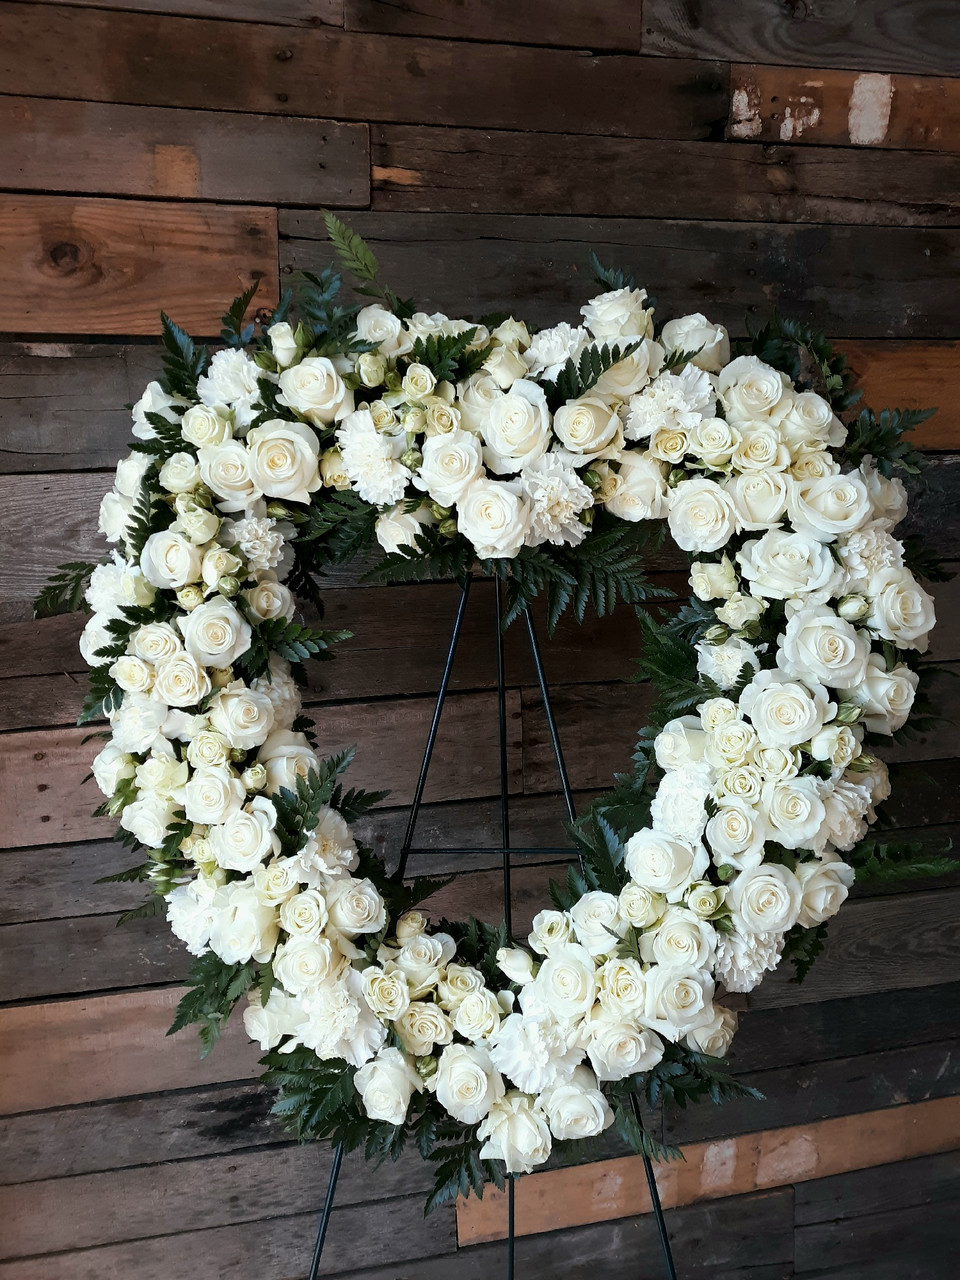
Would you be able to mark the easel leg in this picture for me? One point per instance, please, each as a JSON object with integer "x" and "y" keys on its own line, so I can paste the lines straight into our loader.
{"x": 327, "y": 1209}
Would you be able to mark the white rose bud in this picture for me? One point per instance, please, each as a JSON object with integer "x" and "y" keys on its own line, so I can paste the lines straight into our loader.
{"x": 283, "y": 343}
{"x": 516, "y": 964}
{"x": 418, "y": 382}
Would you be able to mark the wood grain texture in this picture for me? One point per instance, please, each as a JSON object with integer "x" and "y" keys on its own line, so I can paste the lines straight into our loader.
{"x": 843, "y": 108}
{"x": 580, "y": 23}
{"x": 186, "y": 62}
{"x": 295, "y": 13}
{"x": 63, "y": 404}
{"x": 110, "y": 266}
{"x": 225, "y": 156}
{"x": 918, "y": 36}
{"x": 735, "y": 1166}
{"x": 418, "y": 168}
{"x": 829, "y": 275}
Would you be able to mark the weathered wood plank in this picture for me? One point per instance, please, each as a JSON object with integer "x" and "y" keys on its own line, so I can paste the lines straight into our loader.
{"x": 186, "y": 62}
{"x": 578, "y": 23}
{"x": 389, "y": 1231}
{"x": 63, "y": 404}
{"x": 295, "y": 13}
{"x": 843, "y": 108}
{"x": 797, "y": 1095}
{"x": 190, "y": 1195}
{"x": 109, "y": 1047}
{"x": 420, "y": 168}
{"x": 918, "y": 36}
{"x": 104, "y": 149}
{"x": 110, "y": 266}
{"x": 613, "y": 1189}
{"x": 42, "y": 772}
{"x": 829, "y": 275}
{"x": 926, "y": 1180}
{"x": 914, "y": 1243}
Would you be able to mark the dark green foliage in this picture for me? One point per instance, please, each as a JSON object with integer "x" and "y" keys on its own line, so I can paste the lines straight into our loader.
{"x": 433, "y": 559}
{"x": 881, "y": 436}
{"x": 805, "y": 355}
{"x": 103, "y": 696}
{"x": 149, "y": 515}
{"x": 627, "y": 1122}
{"x": 683, "y": 1076}
{"x": 478, "y": 944}
{"x": 183, "y": 360}
{"x": 358, "y": 258}
{"x": 610, "y": 278}
{"x": 676, "y": 359}
{"x": 152, "y": 906}
{"x": 290, "y": 640}
{"x": 139, "y": 872}
{"x": 298, "y": 812}
{"x": 458, "y": 1167}
{"x": 923, "y": 561}
{"x": 166, "y": 442}
{"x": 338, "y": 528}
{"x": 889, "y": 861}
{"x": 234, "y": 332}
{"x": 317, "y": 1099}
{"x": 577, "y": 376}
{"x": 448, "y": 357}
{"x": 64, "y": 590}
{"x": 215, "y": 988}
{"x": 802, "y": 946}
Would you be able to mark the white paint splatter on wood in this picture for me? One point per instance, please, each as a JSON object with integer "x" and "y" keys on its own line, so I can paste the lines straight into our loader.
{"x": 798, "y": 116}
{"x": 869, "y": 114}
{"x": 745, "y": 121}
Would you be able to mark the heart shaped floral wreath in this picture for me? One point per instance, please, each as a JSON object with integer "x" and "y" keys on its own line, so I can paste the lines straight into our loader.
{"x": 552, "y": 458}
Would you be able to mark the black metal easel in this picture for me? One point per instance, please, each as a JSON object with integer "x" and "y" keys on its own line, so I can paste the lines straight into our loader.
{"x": 505, "y": 850}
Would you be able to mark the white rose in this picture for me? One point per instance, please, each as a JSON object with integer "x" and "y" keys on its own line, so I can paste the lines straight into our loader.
{"x": 794, "y": 811}
{"x": 284, "y": 459}
{"x": 138, "y": 725}
{"x": 246, "y": 838}
{"x": 713, "y": 581}
{"x": 577, "y": 1108}
{"x": 397, "y": 528}
{"x": 169, "y": 560}
{"x": 212, "y": 795}
{"x": 166, "y": 775}
{"x": 741, "y": 611}
{"x": 597, "y": 923}
{"x": 676, "y": 999}
{"x": 386, "y": 1084}
{"x": 550, "y": 929}
{"x": 785, "y": 712}
{"x": 133, "y": 675}
{"x": 696, "y": 333}
{"x": 115, "y": 513}
{"x": 900, "y": 609}
{"x": 197, "y": 523}
{"x": 478, "y": 1016}
{"x": 355, "y": 906}
{"x": 492, "y": 515}
{"x": 450, "y": 463}
{"x": 736, "y": 834}
{"x": 618, "y": 314}
{"x": 314, "y": 389}
{"x": 422, "y": 1026}
{"x": 818, "y": 644}
{"x": 620, "y": 988}
{"x": 713, "y": 440}
{"x": 751, "y": 390}
{"x": 181, "y": 681}
{"x": 640, "y": 906}
{"x": 766, "y": 899}
{"x": 179, "y": 473}
{"x": 824, "y": 884}
{"x": 456, "y": 983}
{"x": 705, "y": 899}
{"x": 814, "y": 465}
{"x": 829, "y": 507}
{"x": 147, "y": 819}
{"x": 418, "y": 382}
{"x": 811, "y": 423}
{"x": 203, "y": 425}
{"x": 631, "y": 374}
{"x": 566, "y": 983}
{"x": 277, "y": 880}
{"x": 516, "y": 1132}
{"x": 111, "y": 767}
{"x": 679, "y": 742}
{"x": 783, "y": 566}
{"x": 386, "y": 991}
{"x": 681, "y": 938}
{"x": 420, "y": 958}
{"x": 270, "y": 599}
{"x": 837, "y": 743}
{"x": 888, "y": 497}
{"x": 467, "y": 1083}
{"x": 885, "y": 696}
{"x": 588, "y": 428}
{"x": 283, "y": 343}
{"x": 217, "y": 563}
{"x": 716, "y": 712}
{"x": 517, "y": 428}
{"x": 714, "y": 1035}
{"x": 724, "y": 663}
{"x": 215, "y": 633}
{"x": 661, "y": 864}
{"x": 760, "y": 499}
{"x": 761, "y": 449}
{"x": 377, "y": 324}
{"x": 130, "y": 473}
{"x": 641, "y": 490}
{"x": 301, "y": 965}
{"x": 477, "y": 396}
{"x": 844, "y": 825}
{"x": 243, "y": 716}
{"x": 231, "y": 379}
{"x": 701, "y": 516}
{"x": 225, "y": 470}
{"x": 207, "y": 750}
{"x": 280, "y": 687}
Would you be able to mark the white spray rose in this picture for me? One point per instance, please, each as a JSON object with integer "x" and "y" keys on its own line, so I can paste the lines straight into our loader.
{"x": 387, "y": 1083}
{"x": 516, "y": 1132}
{"x": 696, "y": 333}
{"x": 640, "y": 492}
{"x": 713, "y": 581}
{"x": 314, "y": 389}
{"x": 422, "y": 1026}
{"x": 467, "y": 1083}
{"x": 701, "y": 516}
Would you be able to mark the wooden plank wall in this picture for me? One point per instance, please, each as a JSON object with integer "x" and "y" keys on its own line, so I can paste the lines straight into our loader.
{"x": 737, "y": 154}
